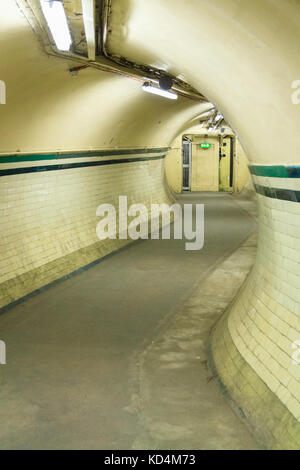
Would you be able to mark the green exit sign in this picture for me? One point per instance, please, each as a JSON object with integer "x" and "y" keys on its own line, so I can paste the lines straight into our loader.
{"x": 205, "y": 145}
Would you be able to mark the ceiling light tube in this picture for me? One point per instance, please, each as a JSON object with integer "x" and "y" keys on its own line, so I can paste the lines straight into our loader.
{"x": 158, "y": 91}
{"x": 219, "y": 117}
{"x": 55, "y": 15}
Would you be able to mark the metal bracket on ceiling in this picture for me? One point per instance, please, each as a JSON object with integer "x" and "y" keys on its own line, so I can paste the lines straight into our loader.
{"x": 149, "y": 73}
{"x": 98, "y": 55}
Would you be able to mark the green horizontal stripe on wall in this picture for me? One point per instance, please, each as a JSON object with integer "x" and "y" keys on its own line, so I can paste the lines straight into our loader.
{"x": 69, "y": 166}
{"x": 278, "y": 193}
{"x": 275, "y": 171}
{"x": 93, "y": 153}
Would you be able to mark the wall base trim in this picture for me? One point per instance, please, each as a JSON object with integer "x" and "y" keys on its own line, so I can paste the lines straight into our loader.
{"x": 68, "y": 266}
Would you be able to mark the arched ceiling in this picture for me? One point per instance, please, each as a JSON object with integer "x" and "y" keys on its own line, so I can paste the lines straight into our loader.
{"x": 241, "y": 54}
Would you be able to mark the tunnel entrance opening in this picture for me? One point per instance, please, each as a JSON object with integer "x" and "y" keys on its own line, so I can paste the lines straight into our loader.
{"x": 203, "y": 157}
{"x": 214, "y": 162}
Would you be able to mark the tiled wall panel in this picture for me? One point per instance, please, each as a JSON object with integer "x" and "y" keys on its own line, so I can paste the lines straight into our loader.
{"x": 48, "y": 218}
{"x": 264, "y": 321}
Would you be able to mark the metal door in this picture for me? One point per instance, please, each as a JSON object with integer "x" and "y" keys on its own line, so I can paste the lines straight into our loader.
{"x": 186, "y": 165}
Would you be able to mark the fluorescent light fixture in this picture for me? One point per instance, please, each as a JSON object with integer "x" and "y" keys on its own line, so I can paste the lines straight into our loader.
{"x": 55, "y": 15}
{"x": 218, "y": 117}
{"x": 158, "y": 91}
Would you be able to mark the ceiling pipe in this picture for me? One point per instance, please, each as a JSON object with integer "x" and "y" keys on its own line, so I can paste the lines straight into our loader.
{"x": 153, "y": 74}
{"x": 105, "y": 62}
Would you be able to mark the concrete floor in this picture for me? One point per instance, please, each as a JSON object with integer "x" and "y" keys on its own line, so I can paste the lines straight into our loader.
{"x": 69, "y": 382}
{"x": 181, "y": 401}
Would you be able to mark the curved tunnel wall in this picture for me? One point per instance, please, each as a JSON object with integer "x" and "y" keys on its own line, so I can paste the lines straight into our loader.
{"x": 48, "y": 227}
{"x": 242, "y": 59}
{"x": 68, "y": 144}
{"x": 252, "y": 346}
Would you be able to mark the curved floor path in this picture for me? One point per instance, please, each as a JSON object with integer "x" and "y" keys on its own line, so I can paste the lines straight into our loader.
{"x": 68, "y": 382}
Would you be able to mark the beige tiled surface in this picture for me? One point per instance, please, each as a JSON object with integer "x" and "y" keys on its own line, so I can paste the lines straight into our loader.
{"x": 48, "y": 219}
{"x": 264, "y": 320}
{"x": 272, "y": 423}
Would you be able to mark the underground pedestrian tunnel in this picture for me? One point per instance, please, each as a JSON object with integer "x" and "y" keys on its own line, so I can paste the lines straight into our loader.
{"x": 114, "y": 344}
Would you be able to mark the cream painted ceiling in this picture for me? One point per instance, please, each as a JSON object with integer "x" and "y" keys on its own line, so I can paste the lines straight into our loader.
{"x": 241, "y": 54}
